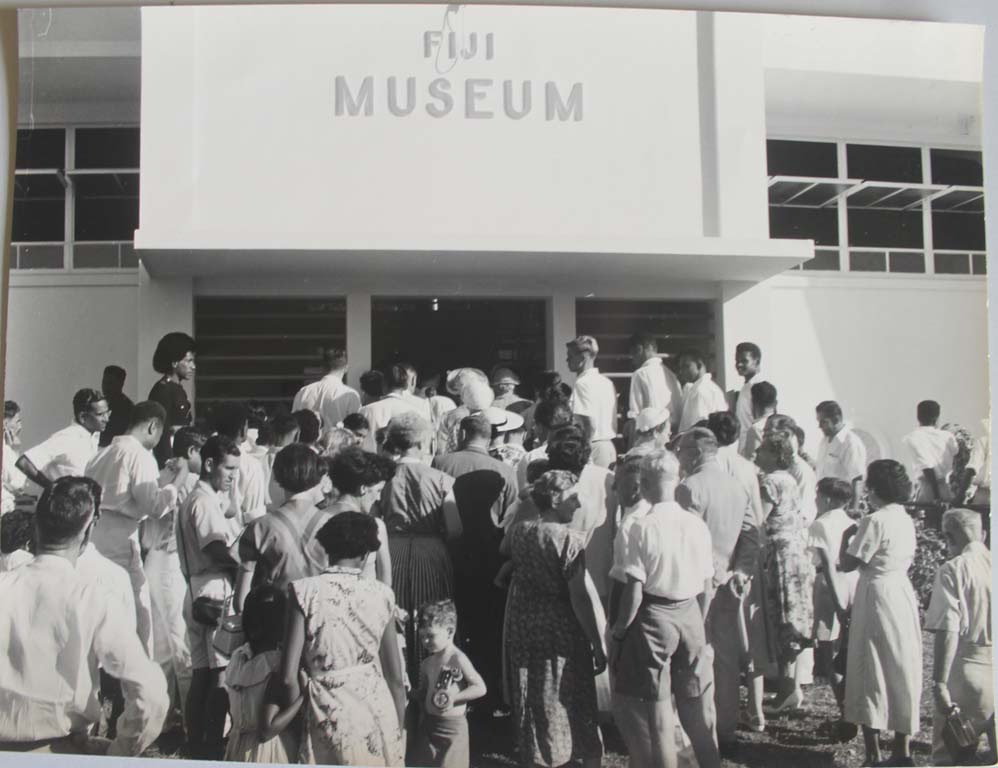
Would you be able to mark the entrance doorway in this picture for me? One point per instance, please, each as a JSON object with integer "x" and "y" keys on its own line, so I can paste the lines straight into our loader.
{"x": 437, "y": 335}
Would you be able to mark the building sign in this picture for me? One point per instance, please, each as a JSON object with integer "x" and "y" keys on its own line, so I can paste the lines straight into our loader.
{"x": 417, "y": 127}
{"x": 480, "y": 97}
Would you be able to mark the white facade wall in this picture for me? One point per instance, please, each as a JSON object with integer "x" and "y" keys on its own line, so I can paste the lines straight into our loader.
{"x": 60, "y": 335}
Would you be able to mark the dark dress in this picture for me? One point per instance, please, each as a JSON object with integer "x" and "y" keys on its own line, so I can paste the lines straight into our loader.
{"x": 551, "y": 662}
{"x": 412, "y": 508}
{"x": 174, "y": 400}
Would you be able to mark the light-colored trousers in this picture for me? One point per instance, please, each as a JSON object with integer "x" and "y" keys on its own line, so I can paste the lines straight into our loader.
{"x": 128, "y": 555}
{"x": 167, "y": 590}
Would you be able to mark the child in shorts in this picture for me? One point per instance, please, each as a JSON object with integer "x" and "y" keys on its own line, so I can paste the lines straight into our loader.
{"x": 447, "y": 682}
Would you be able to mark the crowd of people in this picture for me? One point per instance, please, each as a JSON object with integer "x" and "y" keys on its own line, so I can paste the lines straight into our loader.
{"x": 349, "y": 582}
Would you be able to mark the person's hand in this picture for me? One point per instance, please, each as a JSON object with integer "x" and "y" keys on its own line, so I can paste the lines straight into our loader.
{"x": 599, "y": 659}
{"x": 940, "y": 692}
{"x": 738, "y": 584}
{"x": 302, "y": 682}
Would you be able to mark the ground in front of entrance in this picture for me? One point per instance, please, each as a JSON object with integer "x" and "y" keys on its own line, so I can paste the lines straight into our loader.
{"x": 798, "y": 740}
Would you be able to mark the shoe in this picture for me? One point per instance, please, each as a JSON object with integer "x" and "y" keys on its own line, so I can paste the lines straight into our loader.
{"x": 845, "y": 731}
{"x": 790, "y": 703}
{"x": 753, "y": 723}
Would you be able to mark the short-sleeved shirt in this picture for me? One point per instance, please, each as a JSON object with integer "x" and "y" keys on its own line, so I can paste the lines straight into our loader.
{"x": 885, "y": 541}
{"x": 700, "y": 399}
{"x": 744, "y": 412}
{"x": 202, "y": 520}
{"x": 930, "y": 448}
{"x": 413, "y": 500}
{"x": 276, "y": 541}
{"x": 330, "y": 398}
{"x": 249, "y": 490}
{"x": 620, "y": 542}
{"x": 670, "y": 553}
{"x": 653, "y": 385}
{"x": 379, "y": 413}
{"x": 961, "y": 596}
{"x": 66, "y": 453}
{"x": 177, "y": 405}
{"x": 595, "y": 397}
{"x": 843, "y": 456}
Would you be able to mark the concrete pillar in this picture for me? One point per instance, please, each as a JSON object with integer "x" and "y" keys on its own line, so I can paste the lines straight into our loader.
{"x": 358, "y": 336}
{"x": 8, "y": 150}
{"x": 164, "y": 305}
{"x": 560, "y": 330}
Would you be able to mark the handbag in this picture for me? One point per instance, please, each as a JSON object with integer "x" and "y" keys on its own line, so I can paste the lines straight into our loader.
{"x": 959, "y": 736}
{"x": 208, "y": 610}
{"x": 229, "y": 634}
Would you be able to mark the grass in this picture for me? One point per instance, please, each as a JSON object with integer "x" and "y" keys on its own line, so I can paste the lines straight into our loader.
{"x": 797, "y": 740}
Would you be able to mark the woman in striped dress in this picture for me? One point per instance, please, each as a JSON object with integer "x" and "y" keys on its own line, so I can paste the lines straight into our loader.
{"x": 412, "y": 507}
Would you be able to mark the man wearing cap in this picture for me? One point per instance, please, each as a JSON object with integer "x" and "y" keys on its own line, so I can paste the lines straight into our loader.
{"x": 504, "y": 384}
{"x": 484, "y": 490}
{"x": 594, "y": 398}
{"x": 653, "y": 385}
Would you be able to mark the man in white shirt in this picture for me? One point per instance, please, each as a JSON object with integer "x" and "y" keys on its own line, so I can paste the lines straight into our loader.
{"x": 725, "y": 427}
{"x": 249, "y": 491}
{"x": 67, "y": 452}
{"x": 594, "y": 397}
{"x": 658, "y": 645}
{"x": 129, "y": 476}
{"x": 841, "y": 454}
{"x": 14, "y": 479}
{"x": 329, "y": 396}
{"x": 748, "y": 359}
{"x": 420, "y": 404}
{"x": 396, "y": 402}
{"x": 930, "y": 453}
{"x": 959, "y": 616}
{"x": 58, "y": 627}
{"x": 633, "y": 507}
{"x": 653, "y": 385}
{"x": 701, "y": 396}
{"x": 207, "y": 542}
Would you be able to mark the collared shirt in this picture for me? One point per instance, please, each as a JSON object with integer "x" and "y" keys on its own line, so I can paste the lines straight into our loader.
{"x": 14, "y": 480}
{"x": 669, "y": 552}
{"x": 653, "y": 385}
{"x": 200, "y": 521}
{"x": 700, "y": 399}
{"x": 419, "y": 404}
{"x": 743, "y": 410}
{"x": 330, "y": 398}
{"x": 843, "y": 456}
{"x": 380, "y": 412}
{"x": 248, "y": 495}
{"x": 753, "y": 439}
{"x": 161, "y": 533}
{"x": 594, "y": 396}
{"x": 66, "y": 453}
{"x": 129, "y": 478}
{"x": 720, "y": 501}
{"x": 745, "y": 472}
{"x": 980, "y": 457}
{"x": 630, "y": 516}
{"x": 58, "y": 627}
{"x": 961, "y": 596}
{"x": 930, "y": 448}
{"x": 508, "y": 399}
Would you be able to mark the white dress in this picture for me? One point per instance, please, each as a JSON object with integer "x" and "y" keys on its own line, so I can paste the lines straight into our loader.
{"x": 884, "y": 668}
{"x": 245, "y": 680}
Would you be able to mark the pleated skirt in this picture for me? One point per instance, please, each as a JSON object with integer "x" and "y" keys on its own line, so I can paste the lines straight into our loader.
{"x": 422, "y": 572}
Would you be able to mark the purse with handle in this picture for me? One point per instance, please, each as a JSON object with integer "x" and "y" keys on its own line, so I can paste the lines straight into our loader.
{"x": 959, "y": 736}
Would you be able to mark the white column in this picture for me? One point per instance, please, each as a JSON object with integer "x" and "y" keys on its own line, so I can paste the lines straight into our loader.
{"x": 165, "y": 305}
{"x": 560, "y": 330}
{"x": 358, "y": 336}
{"x": 744, "y": 316}
{"x": 8, "y": 148}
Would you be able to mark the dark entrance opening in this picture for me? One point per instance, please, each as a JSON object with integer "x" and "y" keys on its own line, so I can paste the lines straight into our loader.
{"x": 442, "y": 334}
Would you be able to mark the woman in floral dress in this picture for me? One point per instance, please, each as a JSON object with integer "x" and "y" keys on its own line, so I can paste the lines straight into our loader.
{"x": 341, "y": 633}
{"x": 554, "y": 645}
{"x": 788, "y": 569}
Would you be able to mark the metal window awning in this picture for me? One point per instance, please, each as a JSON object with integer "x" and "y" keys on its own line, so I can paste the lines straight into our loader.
{"x": 815, "y": 192}
{"x": 807, "y": 191}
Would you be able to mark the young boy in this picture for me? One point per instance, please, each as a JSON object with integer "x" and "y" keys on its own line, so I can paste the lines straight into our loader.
{"x": 447, "y": 682}
{"x": 833, "y": 590}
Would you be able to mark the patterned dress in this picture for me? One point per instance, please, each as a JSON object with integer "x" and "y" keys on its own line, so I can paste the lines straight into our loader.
{"x": 350, "y": 717}
{"x": 788, "y": 570}
{"x": 551, "y": 662}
